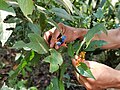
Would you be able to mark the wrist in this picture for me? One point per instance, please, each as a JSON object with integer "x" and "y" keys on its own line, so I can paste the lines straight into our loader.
{"x": 118, "y": 79}
{"x": 115, "y": 80}
{"x": 81, "y": 32}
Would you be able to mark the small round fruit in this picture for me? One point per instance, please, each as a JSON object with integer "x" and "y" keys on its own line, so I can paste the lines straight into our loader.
{"x": 58, "y": 43}
{"x": 63, "y": 38}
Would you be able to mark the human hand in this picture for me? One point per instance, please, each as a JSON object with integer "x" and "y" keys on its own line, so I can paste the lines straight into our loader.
{"x": 70, "y": 33}
{"x": 105, "y": 77}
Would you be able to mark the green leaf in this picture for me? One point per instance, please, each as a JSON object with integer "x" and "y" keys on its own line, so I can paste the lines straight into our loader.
{"x": 62, "y": 70}
{"x": 70, "y": 50}
{"x": 26, "y": 6}
{"x": 95, "y": 44}
{"x": 36, "y": 59}
{"x": 52, "y": 22}
{"x": 24, "y": 62}
{"x": 37, "y": 44}
{"x": 84, "y": 70}
{"x": 118, "y": 13}
{"x": 90, "y": 34}
{"x": 43, "y": 22}
{"x": 55, "y": 60}
{"x": 32, "y": 88}
{"x": 24, "y": 72}
{"x": 28, "y": 68}
{"x": 61, "y": 85}
{"x": 4, "y": 6}
{"x": 62, "y": 13}
{"x": 50, "y": 87}
{"x": 68, "y": 4}
{"x": 102, "y": 3}
{"x": 54, "y": 84}
{"x": 99, "y": 14}
{"x": 34, "y": 28}
{"x": 97, "y": 28}
{"x": 19, "y": 44}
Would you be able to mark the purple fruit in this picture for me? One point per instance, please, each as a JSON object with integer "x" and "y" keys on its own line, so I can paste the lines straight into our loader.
{"x": 63, "y": 38}
{"x": 58, "y": 43}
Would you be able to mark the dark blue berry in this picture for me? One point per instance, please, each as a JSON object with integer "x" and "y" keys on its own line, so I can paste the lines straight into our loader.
{"x": 58, "y": 43}
{"x": 63, "y": 38}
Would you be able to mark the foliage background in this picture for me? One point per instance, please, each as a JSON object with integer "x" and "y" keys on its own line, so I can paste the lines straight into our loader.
{"x": 23, "y": 29}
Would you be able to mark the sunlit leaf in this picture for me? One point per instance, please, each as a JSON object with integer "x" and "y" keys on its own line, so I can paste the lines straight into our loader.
{"x": 55, "y": 60}
{"x": 84, "y": 70}
{"x": 68, "y": 4}
{"x": 40, "y": 9}
{"x": 26, "y": 6}
{"x": 5, "y": 10}
{"x": 5, "y": 34}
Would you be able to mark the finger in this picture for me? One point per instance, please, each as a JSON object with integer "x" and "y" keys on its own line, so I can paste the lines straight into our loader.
{"x": 56, "y": 35}
{"x": 77, "y": 77}
{"x": 82, "y": 80}
{"x": 54, "y": 38}
{"x": 85, "y": 82}
{"x": 87, "y": 63}
{"x": 74, "y": 62}
{"x": 48, "y": 34}
{"x": 56, "y": 46}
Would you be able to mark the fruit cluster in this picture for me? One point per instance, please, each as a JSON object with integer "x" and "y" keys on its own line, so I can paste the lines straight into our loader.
{"x": 80, "y": 58}
{"x": 61, "y": 40}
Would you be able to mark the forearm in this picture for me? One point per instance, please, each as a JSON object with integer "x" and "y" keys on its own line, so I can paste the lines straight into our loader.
{"x": 112, "y": 38}
{"x": 118, "y": 79}
{"x": 115, "y": 80}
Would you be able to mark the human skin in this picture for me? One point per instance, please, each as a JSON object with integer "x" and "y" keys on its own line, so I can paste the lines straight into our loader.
{"x": 105, "y": 77}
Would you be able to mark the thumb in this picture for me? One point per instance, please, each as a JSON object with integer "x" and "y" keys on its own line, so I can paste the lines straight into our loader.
{"x": 82, "y": 80}
{"x": 74, "y": 62}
